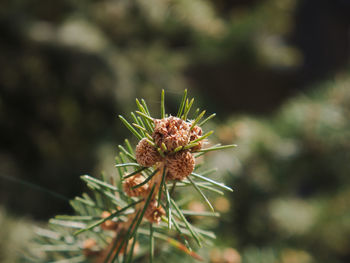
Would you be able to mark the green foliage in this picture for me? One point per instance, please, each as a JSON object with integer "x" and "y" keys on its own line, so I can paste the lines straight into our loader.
{"x": 292, "y": 174}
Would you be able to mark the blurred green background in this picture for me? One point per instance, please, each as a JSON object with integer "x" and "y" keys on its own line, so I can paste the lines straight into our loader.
{"x": 275, "y": 71}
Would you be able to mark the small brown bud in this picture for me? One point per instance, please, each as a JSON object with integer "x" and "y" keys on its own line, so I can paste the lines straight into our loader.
{"x": 180, "y": 165}
{"x": 154, "y": 212}
{"x": 146, "y": 154}
{"x": 108, "y": 224}
{"x": 171, "y": 131}
{"x": 130, "y": 182}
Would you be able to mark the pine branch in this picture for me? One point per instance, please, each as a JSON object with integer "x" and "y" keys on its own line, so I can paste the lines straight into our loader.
{"x": 108, "y": 219}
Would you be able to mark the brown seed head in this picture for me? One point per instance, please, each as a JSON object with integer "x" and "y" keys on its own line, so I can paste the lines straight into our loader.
{"x": 146, "y": 154}
{"x": 154, "y": 212}
{"x": 171, "y": 131}
{"x": 180, "y": 165}
{"x": 130, "y": 182}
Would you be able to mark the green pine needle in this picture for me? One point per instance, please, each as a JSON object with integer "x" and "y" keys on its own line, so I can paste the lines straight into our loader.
{"x": 162, "y": 106}
{"x": 203, "y": 137}
{"x": 168, "y": 205}
{"x": 129, "y": 155}
{"x": 99, "y": 222}
{"x": 126, "y": 237}
{"x": 146, "y": 180}
{"x": 188, "y": 225}
{"x": 131, "y": 253}
{"x": 161, "y": 185}
{"x": 212, "y": 181}
{"x": 187, "y": 109}
{"x": 151, "y": 243}
{"x": 136, "y": 172}
{"x": 127, "y": 164}
{"x": 143, "y": 211}
{"x": 128, "y": 145}
{"x": 200, "y": 116}
{"x": 144, "y": 115}
{"x": 128, "y": 125}
{"x": 88, "y": 178}
{"x": 142, "y": 129}
{"x": 201, "y": 193}
{"x": 218, "y": 148}
{"x": 145, "y": 106}
{"x": 204, "y": 213}
{"x": 182, "y": 104}
{"x": 207, "y": 119}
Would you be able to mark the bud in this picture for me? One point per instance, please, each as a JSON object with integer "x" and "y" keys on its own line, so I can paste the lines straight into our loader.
{"x": 146, "y": 154}
{"x": 154, "y": 212}
{"x": 171, "y": 131}
{"x": 130, "y": 182}
{"x": 180, "y": 165}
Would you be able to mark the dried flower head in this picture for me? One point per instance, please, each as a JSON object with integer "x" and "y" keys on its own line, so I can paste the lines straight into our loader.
{"x": 171, "y": 131}
{"x": 195, "y": 133}
{"x": 130, "y": 182}
{"x": 154, "y": 212}
{"x": 180, "y": 165}
{"x": 146, "y": 154}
